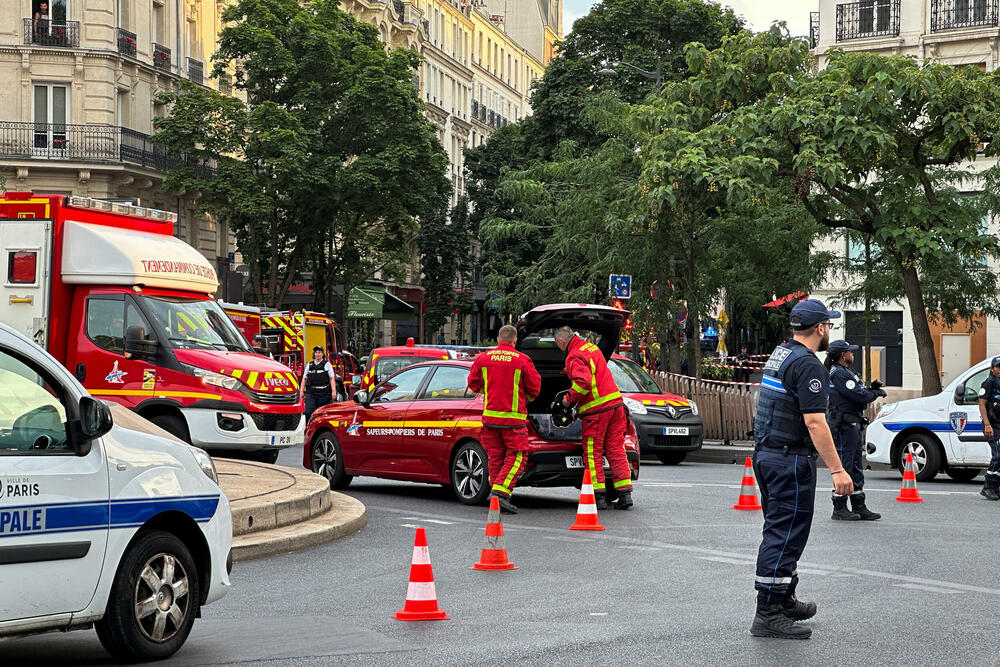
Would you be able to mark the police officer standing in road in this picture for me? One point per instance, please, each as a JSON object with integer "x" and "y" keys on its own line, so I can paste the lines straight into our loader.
{"x": 989, "y": 411}
{"x": 319, "y": 382}
{"x": 848, "y": 399}
{"x": 790, "y": 428}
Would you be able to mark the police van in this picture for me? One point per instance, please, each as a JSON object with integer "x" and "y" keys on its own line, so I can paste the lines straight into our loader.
{"x": 100, "y": 525}
{"x": 943, "y": 432}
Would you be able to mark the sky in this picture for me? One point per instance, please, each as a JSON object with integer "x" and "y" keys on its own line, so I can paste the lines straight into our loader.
{"x": 758, "y": 13}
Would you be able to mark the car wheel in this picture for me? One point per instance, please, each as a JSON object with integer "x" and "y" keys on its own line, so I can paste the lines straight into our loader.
{"x": 926, "y": 456}
{"x": 174, "y": 425}
{"x": 671, "y": 458}
{"x": 154, "y": 600}
{"x": 963, "y": 474}
{"x": 326, "y": 459}
{"x": 470, "y": 476}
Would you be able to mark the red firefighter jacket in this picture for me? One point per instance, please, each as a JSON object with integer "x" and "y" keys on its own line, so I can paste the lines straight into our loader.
{"x": 592, "y": 388}
{"x": 508, "y": 381}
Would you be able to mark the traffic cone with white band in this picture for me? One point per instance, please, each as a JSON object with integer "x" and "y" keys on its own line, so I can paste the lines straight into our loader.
{"x": 586, "y": 513}
{"x": 908, "y": 493}
{"x": 748, "y": 490}
{"x": 421, "y": 599}
{"x": 494, "y": 554}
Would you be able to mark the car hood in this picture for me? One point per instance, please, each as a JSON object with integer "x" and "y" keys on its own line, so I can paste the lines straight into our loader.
{"x": 658, "y": 399}
{"x": 605, "y": 321}
{"x": 260, "y": 373}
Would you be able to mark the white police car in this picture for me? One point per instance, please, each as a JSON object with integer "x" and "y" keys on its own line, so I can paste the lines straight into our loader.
{"x": 943, "y": 432}
{"x": 100, "y": 525}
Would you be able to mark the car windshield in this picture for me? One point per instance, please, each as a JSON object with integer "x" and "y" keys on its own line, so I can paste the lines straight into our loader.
{"x": 195, "y": 323}
{"x": 631, "y": 379}
{"x": 386, "y": 366}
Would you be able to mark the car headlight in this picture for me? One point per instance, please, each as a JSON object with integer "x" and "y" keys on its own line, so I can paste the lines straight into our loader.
{"x": 694, "y": 408}
{"x": 887, "y": 410}
{"x": 215, "y": 379}
{"x": 634, "y": 406}
{"x": 205, "y": 463}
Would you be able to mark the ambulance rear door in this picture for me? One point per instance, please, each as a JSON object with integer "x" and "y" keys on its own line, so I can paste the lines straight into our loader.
{"x": 25, "y": 261}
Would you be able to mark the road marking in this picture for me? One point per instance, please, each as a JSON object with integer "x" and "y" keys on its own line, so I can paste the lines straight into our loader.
{"x": 560, "y": 538}
{"x": 640, "y": 546}
{"x": 731, "y": 561}
{"x": 930, "y": 589}
{"x": 598, "y": 613}
{"x": 437, "y": 521}
{"x": 410, "y": 525}
{"x": 722, "y": 485}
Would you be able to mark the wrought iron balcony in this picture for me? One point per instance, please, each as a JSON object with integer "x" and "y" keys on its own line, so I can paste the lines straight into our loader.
{"x": 813, "y": 29}
{"x": 161, "y": 57}
{"x": 108, "y": 144}
{"x": 45, "y": 32}
{"x": 957, "y": 14}
{"x": 196, "y": 71}
{"x": 126, "y": 43}
{"x": 868, "y": 18}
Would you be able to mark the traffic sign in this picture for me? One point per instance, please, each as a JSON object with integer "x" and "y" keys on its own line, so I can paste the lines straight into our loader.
{"x": 620, "y": 286}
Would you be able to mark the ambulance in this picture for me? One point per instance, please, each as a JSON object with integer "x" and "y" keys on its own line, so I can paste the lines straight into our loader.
{"x": 109, "y": 291}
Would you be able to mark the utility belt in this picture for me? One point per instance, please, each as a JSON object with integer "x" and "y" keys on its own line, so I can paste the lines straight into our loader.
{"x": 850, "y": 418}
{"x": 794, "y": 450}
{"x": 320, "y": 389}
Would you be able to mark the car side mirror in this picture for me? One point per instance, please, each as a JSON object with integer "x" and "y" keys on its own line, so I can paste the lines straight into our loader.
{"x": 356, "y": 379}
{"x": 361, "y": 396}
{"x": 136, "y": 345}
{"x": 95, "y": 421}
{"x": 960, "y": 394}
{"x": 261, "y": 350}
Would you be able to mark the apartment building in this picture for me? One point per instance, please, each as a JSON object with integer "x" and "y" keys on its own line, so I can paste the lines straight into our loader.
{"x": 951, "y": 32}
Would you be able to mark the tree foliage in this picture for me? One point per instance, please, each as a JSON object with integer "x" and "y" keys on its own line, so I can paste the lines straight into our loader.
{"x": 446, "y": 264}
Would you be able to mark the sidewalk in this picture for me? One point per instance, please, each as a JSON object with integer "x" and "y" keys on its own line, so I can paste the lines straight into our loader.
{"x": 278, "y": 510}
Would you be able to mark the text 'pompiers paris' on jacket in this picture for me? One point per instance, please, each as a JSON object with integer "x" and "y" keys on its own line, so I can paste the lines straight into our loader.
{"x": 508, "y": 381}
{"x": 592, "y": 388}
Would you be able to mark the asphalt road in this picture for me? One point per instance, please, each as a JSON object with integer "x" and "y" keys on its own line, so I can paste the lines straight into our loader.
{"x": 670, "y": 582}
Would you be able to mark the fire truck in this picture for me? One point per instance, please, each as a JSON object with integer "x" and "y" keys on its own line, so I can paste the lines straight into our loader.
{"x": 246, "y": 319}
{"x": 109, "y": 291}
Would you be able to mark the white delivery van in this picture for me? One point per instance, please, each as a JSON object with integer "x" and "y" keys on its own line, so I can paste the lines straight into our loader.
{"x": 943, "y": 432}
{"x": 100, "y": 525}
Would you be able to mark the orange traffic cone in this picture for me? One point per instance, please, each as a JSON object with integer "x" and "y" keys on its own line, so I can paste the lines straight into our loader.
{"x": 494, "y": 555}
{"x": 908, "y": 493}
{"x": 421, "y": 600}
{"x": 586, "y": 513}
{"x": 748, "y": 490}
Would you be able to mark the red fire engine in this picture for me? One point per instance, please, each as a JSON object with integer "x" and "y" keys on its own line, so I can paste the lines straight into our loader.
{"x": 127, "y": 307}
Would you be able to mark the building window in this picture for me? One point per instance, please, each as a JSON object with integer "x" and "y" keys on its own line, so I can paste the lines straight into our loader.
{"x": 868, "y": 18}
{"x": 955, "y": 14}
{"x": 51, "y": 114}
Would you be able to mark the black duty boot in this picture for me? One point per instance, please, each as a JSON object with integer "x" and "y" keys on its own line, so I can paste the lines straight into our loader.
{"x": 505, "y": 505}
{"x": 989, "y": 491}
{"x": 624, "y": 501}
{"x": 771, "y": 621}
{"x": 840, "y": 511}
{"x": 863, "y": 512}
{"x": 601, "y": 500}
{"x": 797, "y": 610}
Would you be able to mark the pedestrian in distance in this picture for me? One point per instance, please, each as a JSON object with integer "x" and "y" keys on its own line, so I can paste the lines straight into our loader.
{"x": 790, "y": 428}
{"x": 509, "y": 382}
{"x": 848, "y": 399}
{"x": 743, "y": 365}
{"x": 319, "y": 382}
{"x": 989, "y": 411}
{"x": 602, "y": 410}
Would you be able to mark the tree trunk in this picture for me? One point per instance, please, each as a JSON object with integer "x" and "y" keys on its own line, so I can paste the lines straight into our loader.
{"x": 693, "y": 333}
{"x": 930, "y": 377}
{"x": 868, "y": 311}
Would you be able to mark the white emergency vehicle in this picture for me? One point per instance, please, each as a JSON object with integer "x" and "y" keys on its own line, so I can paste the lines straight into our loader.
{"x": 943, "y": 432}
{"x": 100, "y": 525}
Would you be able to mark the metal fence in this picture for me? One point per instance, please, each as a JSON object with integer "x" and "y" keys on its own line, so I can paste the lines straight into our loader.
{"x": 196, "y": 71}
{"x": 954, "y": 14}
{"x": 45, "y": 32}
{"x": 868, "y": 18}
{"x": 161, "y": 57}
{"x": 126, "y": 43}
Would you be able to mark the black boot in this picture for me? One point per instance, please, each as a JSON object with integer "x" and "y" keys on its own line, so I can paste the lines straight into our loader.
{"x": 840, "y": 511}
{"x": 797, "y": 610}
{"x": 601, "y": 500}
{"x": 859, "y": 508}
{"x": 770, "y": 621}
{"x": 624, "y": 501}
{"x": 990, "y": 491}
{"x": 506, "y": 506}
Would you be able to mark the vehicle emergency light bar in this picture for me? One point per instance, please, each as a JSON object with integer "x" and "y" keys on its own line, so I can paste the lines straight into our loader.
{"x": 124, "y": 209}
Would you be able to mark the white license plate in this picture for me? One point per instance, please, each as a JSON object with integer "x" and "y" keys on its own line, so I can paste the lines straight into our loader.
{"x": 675, "y": 430}
{"x": 279, "y": 440}
{"x": 574, "y": 461}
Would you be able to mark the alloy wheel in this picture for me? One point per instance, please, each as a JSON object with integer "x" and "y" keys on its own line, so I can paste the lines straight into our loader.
{"x": 469, "y": 472}
{"x": 919, "y": 455}
{"x": 324, "y": 458}
{"x": 161, "y": 599}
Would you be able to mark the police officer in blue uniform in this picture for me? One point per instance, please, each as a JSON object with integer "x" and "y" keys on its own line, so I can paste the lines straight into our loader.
{"x": 848, "y": 399}
{"x": 989, "y": 411}
{"x": 790, "y": 428}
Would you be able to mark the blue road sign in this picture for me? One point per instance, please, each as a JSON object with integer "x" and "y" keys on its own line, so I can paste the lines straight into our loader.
{"x": 620, "y": 286}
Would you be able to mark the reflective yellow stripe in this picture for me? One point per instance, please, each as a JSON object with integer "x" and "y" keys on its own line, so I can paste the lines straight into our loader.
{"x": 505, "y": 415}
{"x": 151, "y": 392}
{"x": 577, "y": 388}
{"x": 252, "y": 378}
{"x": 237, "y": 373}
{"x": 589, "y": 455}
{"x": 622, "y": 482}
{"x": 513, "y": 470}
{"x": 517, "y": 383}
{"x": 469, "y": 424}
{"x": 422, "y": 424}
{"x": 600, "y": 401}
{"x": 486, "y": 396}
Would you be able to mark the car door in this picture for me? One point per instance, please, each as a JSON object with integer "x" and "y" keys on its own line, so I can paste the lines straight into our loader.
{"x": 434, "y": 416}
{"x": 53, "y": 504}
{"x": 966, "y": 441}
{"x": 383, "y": 433}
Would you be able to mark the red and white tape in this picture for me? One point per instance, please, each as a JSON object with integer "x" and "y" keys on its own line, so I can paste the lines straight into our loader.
{"x": 688, "y": 377}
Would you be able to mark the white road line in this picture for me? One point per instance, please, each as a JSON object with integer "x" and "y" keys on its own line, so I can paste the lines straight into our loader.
{"x": 410, "y": 525}
{"x": 598, "y": 613}
{"x": 929, "y": 589}
{"x": 438, "y": 521}
{"x": 640, "y": 546}
{"x": 560, "y": 538}
{"x": 721, "y": 485}
{"x": 731, "y": 561}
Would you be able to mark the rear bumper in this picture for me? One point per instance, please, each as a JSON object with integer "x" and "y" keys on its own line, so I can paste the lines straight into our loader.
{"x": 550, "y": 469}
{"x": 650, "y": 428}
{"x": 206, "y": 432}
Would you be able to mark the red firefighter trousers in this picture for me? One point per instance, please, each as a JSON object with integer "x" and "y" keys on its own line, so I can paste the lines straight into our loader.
{"x": 507, "y": 458}
{"x": 604, "y": 436}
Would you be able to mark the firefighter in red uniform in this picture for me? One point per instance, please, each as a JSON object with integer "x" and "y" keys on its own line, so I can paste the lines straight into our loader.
{"x": 602, "y": 410}
{"x": 508, "y": 381}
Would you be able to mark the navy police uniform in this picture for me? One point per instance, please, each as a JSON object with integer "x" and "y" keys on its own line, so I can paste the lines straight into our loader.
{"x": 990, "y": 393}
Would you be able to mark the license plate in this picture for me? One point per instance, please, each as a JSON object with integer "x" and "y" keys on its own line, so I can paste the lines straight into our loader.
{"x": 675, "y": 430}
{"x": 574, "y": 461}
{"x": 279, "y": 440}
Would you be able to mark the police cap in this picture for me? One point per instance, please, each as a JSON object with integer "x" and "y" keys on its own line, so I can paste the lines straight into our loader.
{"x": 839, "y": 346}
{"x": 995, "y": 362}
{"x": 809, "y": 313}
{"x": 319, "y": 348}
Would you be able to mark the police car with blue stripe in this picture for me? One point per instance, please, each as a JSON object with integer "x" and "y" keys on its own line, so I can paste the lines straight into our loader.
{"x": 100, "y": 525}
{"x": 943, "y": 432}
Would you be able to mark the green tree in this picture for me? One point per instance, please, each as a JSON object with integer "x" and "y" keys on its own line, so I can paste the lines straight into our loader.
{"x": 445, "y": 263}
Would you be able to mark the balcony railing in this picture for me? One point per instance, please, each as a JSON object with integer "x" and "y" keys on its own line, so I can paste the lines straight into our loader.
{"x": 868, "y": 18}
{"x": 957, "y": 14}
{"x": 87, "y": 143}
{"x": 196, "y": 71}
{"x": 813, "y": 29}
{"x": 161, "y": 57}
{"x": 44, "y": 32}
{"x": 126, "y": 43}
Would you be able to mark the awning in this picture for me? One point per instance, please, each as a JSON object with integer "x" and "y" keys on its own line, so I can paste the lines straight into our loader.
{"x": 374, "y": 303}
{"x": 794, "y": 296}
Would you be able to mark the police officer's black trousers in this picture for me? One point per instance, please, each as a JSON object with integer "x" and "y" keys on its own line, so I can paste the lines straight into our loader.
{"x": 847, "y": 438}
{"x": 316, "y": 400}
{"x": 787, "y": 481}
{"x": 993, "y": 471}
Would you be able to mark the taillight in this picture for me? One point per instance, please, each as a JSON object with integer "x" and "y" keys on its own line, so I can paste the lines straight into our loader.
{"x": 22, "y": 267}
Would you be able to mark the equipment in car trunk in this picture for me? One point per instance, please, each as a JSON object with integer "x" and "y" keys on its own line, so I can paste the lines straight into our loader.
{"x": 562, "y": 417}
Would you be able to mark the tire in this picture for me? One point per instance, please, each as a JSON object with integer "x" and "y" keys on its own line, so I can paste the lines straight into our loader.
{"x": 130, "y": 636}
{"x": 671, "y": 458}
{"x": 963, "y": 474}
{"x": 327, "y": 459}
{"x": 174, "y": 425}
{"x": 926, "y": 455}
{"x": 470, "y": 475}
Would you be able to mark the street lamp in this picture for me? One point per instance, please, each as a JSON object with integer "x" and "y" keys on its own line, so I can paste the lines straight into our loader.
{"x": 656, "y": 76}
